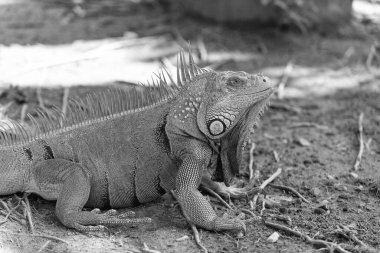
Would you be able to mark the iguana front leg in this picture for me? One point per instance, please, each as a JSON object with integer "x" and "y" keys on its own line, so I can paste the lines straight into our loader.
{"x": 195, "y": 206}
{"x": 70, "y": 184}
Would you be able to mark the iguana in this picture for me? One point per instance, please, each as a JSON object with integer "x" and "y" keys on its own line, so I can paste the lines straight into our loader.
{"x": 117, "y": 148}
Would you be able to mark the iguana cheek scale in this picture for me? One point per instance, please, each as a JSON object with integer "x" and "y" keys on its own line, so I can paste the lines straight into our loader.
{"x": 120, "y": 148}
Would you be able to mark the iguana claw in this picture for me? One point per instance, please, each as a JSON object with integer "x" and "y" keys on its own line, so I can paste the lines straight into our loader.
{"x": 221, "y": 224}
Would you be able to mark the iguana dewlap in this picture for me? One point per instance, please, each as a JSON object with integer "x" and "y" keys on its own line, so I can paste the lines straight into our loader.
{"x": 117, "y": 149}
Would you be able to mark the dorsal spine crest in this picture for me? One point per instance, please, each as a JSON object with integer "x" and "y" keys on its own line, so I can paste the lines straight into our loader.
{"x": 101, "y": 106}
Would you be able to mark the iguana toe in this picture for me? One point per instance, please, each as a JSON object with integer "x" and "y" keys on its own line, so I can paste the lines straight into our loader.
{"x": 96, "y": 210}
{"x": 92, "y": 221}
{"x": 118, "y": 221}
{"x": 222, "y": 224}
{"x": 83, "y": 228}
{"x": 127, "y": 214}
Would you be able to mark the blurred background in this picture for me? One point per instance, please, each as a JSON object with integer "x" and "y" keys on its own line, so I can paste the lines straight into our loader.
{"x": 323, "y": 56}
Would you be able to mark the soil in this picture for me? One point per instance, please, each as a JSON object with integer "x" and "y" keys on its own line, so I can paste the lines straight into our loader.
{"x": 312, "y": 125}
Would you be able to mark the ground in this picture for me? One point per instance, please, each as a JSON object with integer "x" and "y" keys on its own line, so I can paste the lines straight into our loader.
{"x": 312, "y": 125}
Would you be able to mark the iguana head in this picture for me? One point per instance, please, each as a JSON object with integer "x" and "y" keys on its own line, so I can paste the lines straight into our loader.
{"x": 229, "y": 110}
{"x": 229, "y": 97}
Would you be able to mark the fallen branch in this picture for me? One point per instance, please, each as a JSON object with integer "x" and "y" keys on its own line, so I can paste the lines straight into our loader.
{"x": 263, "y": 185}
{"x": 40, "y": 100}
{"x": 346, "y": 231}
{"x": 35, "y": 235}
{"x": 251, "y": 160}
{"x": 26, "y": 205}
{"x": 371, "y": 55}
{"x": 10, "y": 211}
{"x": 328, "y": 245}
{"x": 193, "y": 227}
{"x": 284, "y": 79}
{"x": 284, "y": 107}
{"x": 216, "y": 195}
{"x": 361, "y": 143}
{"x": 146, "y": 249}
{"x": 43, "y": 246}
{"x": 276, "y": 156}
{"x": 291, "y": 189}
{"x": 309, "y": 124}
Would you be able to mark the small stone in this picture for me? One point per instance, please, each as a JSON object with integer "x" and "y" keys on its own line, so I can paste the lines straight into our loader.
{"x": 354, "y": 175}
{"x": 183, "y": 238}
{"x": 240, "y": 235}
{"x": 303, "y": 142}
{"x": 273, "y": 237}
{"x": 316, "y": 191}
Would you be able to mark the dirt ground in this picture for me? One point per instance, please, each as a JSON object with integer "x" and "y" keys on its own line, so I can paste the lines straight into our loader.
{"x": 312, "y": 125}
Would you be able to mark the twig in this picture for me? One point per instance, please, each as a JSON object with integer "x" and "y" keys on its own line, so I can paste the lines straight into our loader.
{"x": 203, "y": 55}
{"x": 216, "y": 195}
{"x": 43, "y": 246}
{"x": 10, "y": 210}
{"x": 287, "y": 219}
{"x": 11, "y": 217}
{"x": 309, "y": 124}
{"x": 352, "y": 236}
{"x": 262, "y": 207}
{"x": 329, "y": 245}
{"x": 276, "y": 157}
{"x": 256, "y": 217}
{"x": 35, "y": 235}
{"x": 26, "y": 205}
{"x": 270, "y": 179}
{"x": 6, "y": 217}
{"x": 368, "y": 145}
{"x": 251, "y": 160}
{"x": 40, "y": 99}
{"x": 371, "y": 55}
{"x": 361, "y": 142}
{"x": 193, "y": 227}
{"x": 263, "y": 185}
{"x": 291, "y": 189}
{"x": 146, "y": 249}
{"x": 284, "y": 79}
{"x": 290, "y": 108}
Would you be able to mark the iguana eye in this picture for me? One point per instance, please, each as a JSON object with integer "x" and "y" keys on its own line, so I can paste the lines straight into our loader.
{"x": 216, "y": 127}
{"x": 234, "y": 82}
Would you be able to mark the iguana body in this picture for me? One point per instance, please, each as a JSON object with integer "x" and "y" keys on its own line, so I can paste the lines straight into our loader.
{"x": 120, "y": 149}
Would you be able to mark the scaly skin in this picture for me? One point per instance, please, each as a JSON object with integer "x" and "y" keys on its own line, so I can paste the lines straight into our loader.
{"x": 133, "y": 157}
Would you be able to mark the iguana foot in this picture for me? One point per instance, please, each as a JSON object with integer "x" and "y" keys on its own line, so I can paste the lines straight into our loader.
{"x": 235, "y": 191}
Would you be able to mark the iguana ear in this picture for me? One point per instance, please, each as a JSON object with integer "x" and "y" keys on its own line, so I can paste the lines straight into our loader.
{"x": 213, "y": 129}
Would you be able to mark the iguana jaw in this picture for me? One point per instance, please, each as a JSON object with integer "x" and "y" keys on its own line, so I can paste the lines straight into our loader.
{"x": 231, "y": 109}
{"x": 232, "y": 144}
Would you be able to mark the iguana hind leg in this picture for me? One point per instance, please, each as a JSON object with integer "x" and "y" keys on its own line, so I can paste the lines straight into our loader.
{"x": 70, "y": 184}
